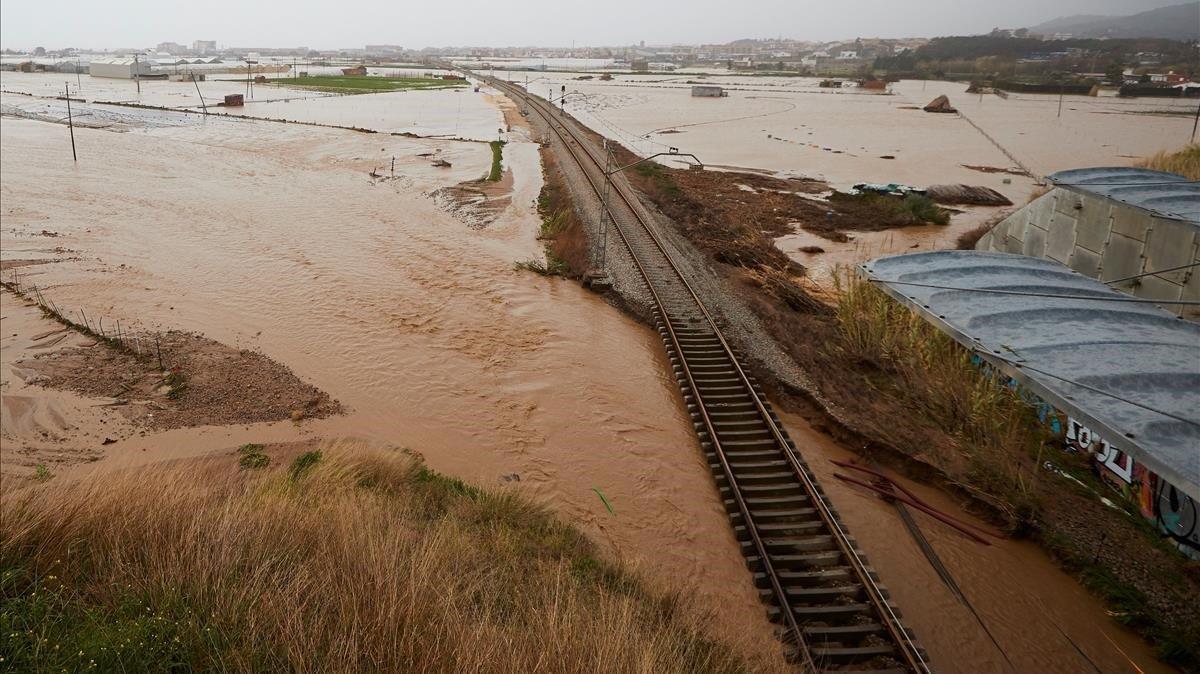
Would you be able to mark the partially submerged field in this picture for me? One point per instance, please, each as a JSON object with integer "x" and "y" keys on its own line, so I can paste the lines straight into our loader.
{"x": 330, "y": 560}
{"x": 364, "y": 83}
{"x": 300, "y": 243}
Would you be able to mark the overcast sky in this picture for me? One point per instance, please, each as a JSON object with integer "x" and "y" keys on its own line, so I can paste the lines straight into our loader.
{"x": 322, "y": 24}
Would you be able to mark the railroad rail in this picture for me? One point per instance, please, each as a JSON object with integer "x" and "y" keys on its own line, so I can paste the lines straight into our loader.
{"x": 832, "y": 613}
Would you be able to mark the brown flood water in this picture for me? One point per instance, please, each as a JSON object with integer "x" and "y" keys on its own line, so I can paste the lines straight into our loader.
{"x": 1041, "y": 620}
{"x": 274, "y": 237}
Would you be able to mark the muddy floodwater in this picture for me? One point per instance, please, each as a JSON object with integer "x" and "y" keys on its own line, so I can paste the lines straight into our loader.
{"x": 278, "y": 238}
{"x": 792, "y": 126}
{"x": 1018, "y": 613}
{"x": 453, "y": 112}
{"x": 274, "y": 237}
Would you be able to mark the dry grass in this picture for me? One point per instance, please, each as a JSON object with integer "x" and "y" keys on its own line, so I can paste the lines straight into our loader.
{"x": 1185, "y": 162}
{"x": 354, "y": 560}
{"x": 996, "y": 434}
{"x": 565, "y": 235}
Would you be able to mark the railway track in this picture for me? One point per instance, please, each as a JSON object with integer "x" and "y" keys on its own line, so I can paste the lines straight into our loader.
{"x": 831, "y": 612}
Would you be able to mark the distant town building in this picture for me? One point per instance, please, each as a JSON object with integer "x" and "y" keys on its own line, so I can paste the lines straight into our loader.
{"x": 639, "y": 65}
{"x": 204, "y": 46}
{"x": 170, "y": 48}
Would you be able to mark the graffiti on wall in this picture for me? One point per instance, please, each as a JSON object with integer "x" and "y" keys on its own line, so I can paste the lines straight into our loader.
{"x": 1174, "y": 512}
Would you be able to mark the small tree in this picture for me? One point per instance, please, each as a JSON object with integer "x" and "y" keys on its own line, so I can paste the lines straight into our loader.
{"x": 1115, "y": 74}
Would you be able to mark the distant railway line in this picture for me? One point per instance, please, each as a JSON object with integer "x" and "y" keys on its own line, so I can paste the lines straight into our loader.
{"x": 832, "y": 613}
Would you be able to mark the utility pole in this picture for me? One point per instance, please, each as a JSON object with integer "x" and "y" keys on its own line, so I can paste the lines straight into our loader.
{"x": 78, "y": 77}
{"x": 603, "y": 233}
{"x": 1196, "y": 123}
{"x": 137, "y": 75}
{"x": 70, "y": 121}
{"x": 202, "y": 105}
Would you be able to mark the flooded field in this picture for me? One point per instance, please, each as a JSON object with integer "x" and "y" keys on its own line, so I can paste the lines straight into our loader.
{"x": 278, "y": 238}
{"x": 274, "y": 237}
{"x": 459, "y": 113}
{"x": 845, "y": 136}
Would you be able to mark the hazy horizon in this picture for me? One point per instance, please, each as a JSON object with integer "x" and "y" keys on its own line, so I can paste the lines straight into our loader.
{"x": 141, "y": 23}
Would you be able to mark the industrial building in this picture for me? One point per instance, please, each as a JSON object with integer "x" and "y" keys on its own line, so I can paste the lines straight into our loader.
{"x": 1113, "y": 376}
{"x": 708, "y": 91}
{"x": 1113, "y": 224}
{"x": 123, "y": 68}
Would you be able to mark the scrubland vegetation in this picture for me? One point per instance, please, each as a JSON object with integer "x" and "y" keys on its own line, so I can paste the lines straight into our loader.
{"x": 340, "y": 560}
{"x": 1185, "y": 162}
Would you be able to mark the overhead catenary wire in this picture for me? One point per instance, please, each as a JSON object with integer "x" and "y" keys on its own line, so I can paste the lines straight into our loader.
{"x": 995, "y": 291}
{"x": 1154, "y": 273}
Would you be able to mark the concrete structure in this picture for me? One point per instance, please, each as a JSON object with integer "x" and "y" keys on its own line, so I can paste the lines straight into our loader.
{"x": 204, "y": 46}
{"x": 1113, "y": 223}
{"x": 124, "y": 68}
{"x": 1112, "y": 375}
{"x": 708, "y": 91}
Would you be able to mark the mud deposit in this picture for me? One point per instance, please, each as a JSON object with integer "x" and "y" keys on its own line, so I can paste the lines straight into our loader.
{"x": 173, "y": 379}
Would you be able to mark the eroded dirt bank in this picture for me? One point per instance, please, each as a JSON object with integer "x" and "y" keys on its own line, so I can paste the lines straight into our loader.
{"x": 276, "y": 238}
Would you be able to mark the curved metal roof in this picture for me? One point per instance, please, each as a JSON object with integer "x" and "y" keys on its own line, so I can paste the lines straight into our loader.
{"x": 1120, "y": 365}
{"x": 1169, "y": 195}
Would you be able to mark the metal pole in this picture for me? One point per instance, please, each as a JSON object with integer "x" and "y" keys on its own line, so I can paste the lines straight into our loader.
{"x": 78, "y": 77}
{"x": 1196, "y": 123}
{"x": 202, "y": 105}
{"x": 70, "y": 122}
{"x": 604, "y": 206}
{"x": 137, "y": 75}
{"x": 1060, "y": 97}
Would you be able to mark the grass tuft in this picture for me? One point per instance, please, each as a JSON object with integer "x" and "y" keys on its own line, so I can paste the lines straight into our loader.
{"x": 922, "y": 209}
{"x": 1185, "y": 162}
{"x": 304, "y": 463}
{"x": 252, "y": 457}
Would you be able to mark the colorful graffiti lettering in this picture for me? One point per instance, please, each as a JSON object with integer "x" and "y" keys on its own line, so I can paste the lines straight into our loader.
{"x": 1174, "y": 512}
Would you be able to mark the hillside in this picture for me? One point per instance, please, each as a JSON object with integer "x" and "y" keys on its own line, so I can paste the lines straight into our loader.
{"x": 1176, "y": 22}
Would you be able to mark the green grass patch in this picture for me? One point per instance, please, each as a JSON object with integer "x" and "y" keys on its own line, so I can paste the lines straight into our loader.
{"x": 659, "y": 176}
{"x": 922, "y": 208}
{"x": 551, "y": 267}
{"x": 304, "y": 463}
{"x": 366, "y": 83}
{"x": 497, "y": 161}
{"x": 252, "y": 456}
